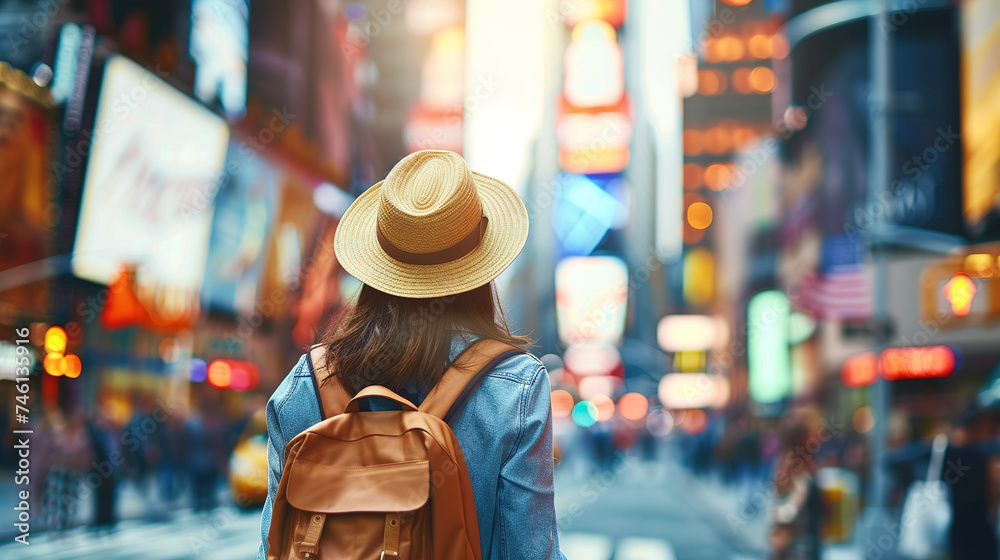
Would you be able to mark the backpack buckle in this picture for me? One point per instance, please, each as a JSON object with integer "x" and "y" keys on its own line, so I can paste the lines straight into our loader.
{"x": 390, "y": 554}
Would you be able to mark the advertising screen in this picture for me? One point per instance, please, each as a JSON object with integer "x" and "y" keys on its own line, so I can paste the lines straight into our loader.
{"x": 154, "y": 170}
{"x": 241, "y": 228}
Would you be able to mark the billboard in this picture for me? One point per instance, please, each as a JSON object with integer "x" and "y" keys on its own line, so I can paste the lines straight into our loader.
{"x": 241, "y": 228}
{"x": 25, "y": 181}
{"x": 154, "y": 169}
{"x": 980, "y": 71}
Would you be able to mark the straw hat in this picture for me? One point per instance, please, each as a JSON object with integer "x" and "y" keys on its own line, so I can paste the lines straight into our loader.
{"x": 432, "y": 228}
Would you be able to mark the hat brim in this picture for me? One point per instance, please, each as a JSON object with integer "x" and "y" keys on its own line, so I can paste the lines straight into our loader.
{"x": 357, "y": 248}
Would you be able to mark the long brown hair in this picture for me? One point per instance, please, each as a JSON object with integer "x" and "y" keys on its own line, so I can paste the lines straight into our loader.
{"x": 395, "y": 341}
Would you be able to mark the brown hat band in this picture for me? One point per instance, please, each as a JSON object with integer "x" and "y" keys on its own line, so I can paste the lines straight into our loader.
{"x": 455, "y": 252}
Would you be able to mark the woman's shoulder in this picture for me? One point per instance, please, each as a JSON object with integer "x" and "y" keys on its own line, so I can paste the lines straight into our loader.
{"x": 298, "y": 384}
{"x": 524, "y": 368}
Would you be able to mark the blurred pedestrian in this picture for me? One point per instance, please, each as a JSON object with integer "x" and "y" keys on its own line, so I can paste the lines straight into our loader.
{"x": 73, "y": 457}
{"x": 797, "y": 508}
{"x": 972, "y": 535}
{"x": 105, "y": 449}
{"x": 205, "y": 453}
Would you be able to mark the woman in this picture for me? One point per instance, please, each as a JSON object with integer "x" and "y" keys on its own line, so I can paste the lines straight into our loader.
{"x": 427, "y": 243}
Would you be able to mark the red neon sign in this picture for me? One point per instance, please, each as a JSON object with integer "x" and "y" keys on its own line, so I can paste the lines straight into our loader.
{"x": 917, "y": 363}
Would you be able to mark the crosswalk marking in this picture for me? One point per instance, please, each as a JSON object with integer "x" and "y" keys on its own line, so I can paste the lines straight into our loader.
{"x": 585, "y": 546}
{"x": 590, "y": 546}
{"x": 644, "y": 549}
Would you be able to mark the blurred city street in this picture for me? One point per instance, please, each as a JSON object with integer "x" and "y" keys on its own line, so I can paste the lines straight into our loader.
{"x": 598, "y": 516}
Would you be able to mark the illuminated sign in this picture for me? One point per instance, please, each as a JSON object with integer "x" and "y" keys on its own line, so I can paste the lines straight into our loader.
{"x": 680, "y": 333}
{"x": 768, "y": 349}
{"x": 699, "y": 276}
{"x": 591, "y": 298}
{"x": 917, "y": 362}
{"x": 154, "y": 169}
{"x": 595, "y": 66}
{"x": 960, "y": 291}
{"x": 594, "y": 140}
{"x": 860, "y": 370}
{"x": 598, "y": 385}
{"x": 693, "y": 390}
{"x": 595, "y": 359}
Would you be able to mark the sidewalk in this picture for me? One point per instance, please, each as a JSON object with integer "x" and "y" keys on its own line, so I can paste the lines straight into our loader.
{"x": 133, "y": 503}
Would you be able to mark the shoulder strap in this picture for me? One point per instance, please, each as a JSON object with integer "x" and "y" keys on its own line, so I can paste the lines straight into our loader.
{"x": 332, "y": 395}
{"x": 464, "y": 375}
{"x": 445, "y": 400}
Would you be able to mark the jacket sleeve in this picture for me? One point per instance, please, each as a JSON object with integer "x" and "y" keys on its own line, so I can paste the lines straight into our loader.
{"x": 275, "y": 464}
{"x": 525, "y": 496}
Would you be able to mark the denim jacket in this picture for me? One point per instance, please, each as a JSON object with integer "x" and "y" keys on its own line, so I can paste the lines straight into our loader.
{"x": 505, "y": 431}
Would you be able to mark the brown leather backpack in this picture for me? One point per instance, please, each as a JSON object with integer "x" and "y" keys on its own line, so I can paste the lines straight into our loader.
{"x": 387, "y": 484}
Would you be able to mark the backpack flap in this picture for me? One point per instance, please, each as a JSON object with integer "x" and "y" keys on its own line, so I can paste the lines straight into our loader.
{"x": 392, "y": 487}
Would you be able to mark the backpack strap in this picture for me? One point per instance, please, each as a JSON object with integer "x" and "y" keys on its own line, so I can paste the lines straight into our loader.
{"x": 464, "y": 375}
{"x": 332, "y": 395}
{"x": 445, "y": 400}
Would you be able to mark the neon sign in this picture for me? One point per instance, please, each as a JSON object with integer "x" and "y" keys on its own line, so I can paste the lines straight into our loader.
{"x": 917, "y": 363}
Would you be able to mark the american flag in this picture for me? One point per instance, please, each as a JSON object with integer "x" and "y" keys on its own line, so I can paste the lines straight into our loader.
{"x": 843, "y": 292}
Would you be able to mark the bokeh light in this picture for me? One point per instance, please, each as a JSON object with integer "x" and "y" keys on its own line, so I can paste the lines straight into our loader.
{"x": 633, "y": 406}
{"x": 659, "y": 422}
{"x": 693, "y": 142}
{"x": 562, "y": 403}
{"x": 584, "y": 414}
{"x": 711, "y": 82}
{"x": 717, "y": 140}
{"x": 699, "y": 215}
{"x": 73, "y": 366}
{"x": 605, "y": 407}
{"x": 199, "y": 370}
{"x": 51, "y": 364}
{"x": 762, "y": 80}
{"x": 55, "y": 340}
{"x": 717, "y": 176}
{"x": 863, "y": 420}
{"x": 741, "y": 80}
{"x": 730, "y": 48}
{"x": 694, "y": 421}
{"x": 219, "y": 374}
{"x": 759, "y": 46}
{"x": 779, "y": 47}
